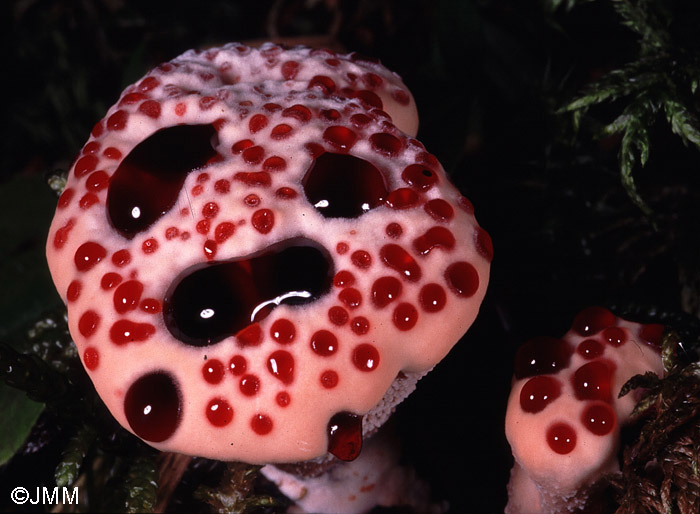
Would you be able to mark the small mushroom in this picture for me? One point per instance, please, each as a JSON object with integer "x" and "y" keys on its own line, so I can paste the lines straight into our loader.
{"x": 564, "y": 416}
{"x": 258, "y": 261}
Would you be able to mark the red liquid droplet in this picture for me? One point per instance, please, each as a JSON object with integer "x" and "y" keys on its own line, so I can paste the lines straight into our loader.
{"x": 125, "y": 331}
{"x": 257, "y": 123}
{"x": 402, "y": 198}
{"x": 219, "y": 412}
{"x": 561, "y": 438}
{"x": 351, "y": 297}
{"x": 275, "y": 163}
{"x": 249, "y": 385}
{"x": 283, "y": 331}
{"x": 151, "y": 306}
{"x": 394, "y": 230}
{"x": 73, "y": 292}
{"x": 261, "y": 424}
{"x": 213, "y": 371}
{"x": 541, "y": 355}
{"x": 359, "y": 325}
{"x": 88, "y": 323}
{"x": 237, "y": 365}
{"x": 652, "y": 333}
{"x": 385, "y": 144}
{"x": 599, "y": 418}
{"x": 462, "y": 278}
{"x": 337, "y": 315}
{"x": 590, "y": 349}
{"x": 121, "y": 258}
{"x": 420, "y": 177}
{"x": 345, "y": 436}
{"x": 400, "y": 260}
{"x": 88, "y": 255}
{"x": 592, "y": 381}
{"x": 281, "y": 365}
{"x": 405, "y": 316}
{"x": 344, "y": 278}
{"x": 329, "y": 379}
{"x": 592, "y": 320}
{"x": 538, "y": 392}
{"x": 484, "y": 246}
{"x": 365, "y": 357}
{"x": 385, "y": 290}
{"x": 263, "y": 220}
{"x": 91, "y": 358}
{"x": 343, "y": 186}
{"x": 213, "y": 302}
{"x": 324, "y": 343}
{"x": 283, "y": 399}
{"x": 615, "y": 336}
{"x": 432, "y": 298}
{"x": 322, "y": 83}
{"x": 298, "y": 112}
{"x": 340, "y": 137}
{"x": 127, "y": 296}
{"x": 148, "y": 181}
{"x": 280, "y": 131}
{"x": 434, "y": 237}
{"x": 152, "y": 407}
{"x": 110, "y": 280}
{"x": 439, "y": 209}
{"x": 361, "y": 259}
{"x": 253, "y": 155}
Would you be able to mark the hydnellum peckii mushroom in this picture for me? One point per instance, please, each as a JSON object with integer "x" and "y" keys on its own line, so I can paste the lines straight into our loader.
{"x": 258, "y": 259}
{"x": 564, "y": 416}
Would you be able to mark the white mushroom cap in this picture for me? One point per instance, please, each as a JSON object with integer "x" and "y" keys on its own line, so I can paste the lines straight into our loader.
{"x": 220, "y": 307}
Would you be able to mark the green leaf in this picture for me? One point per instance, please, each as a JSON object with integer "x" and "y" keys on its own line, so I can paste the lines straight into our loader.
{"x": 19, "y": 416}
{"x": 634, "y": 149}
{"x": 684, "y": 123}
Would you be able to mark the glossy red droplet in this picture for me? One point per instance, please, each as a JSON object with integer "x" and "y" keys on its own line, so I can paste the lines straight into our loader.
{"x": 110, "y": 280}
{"x": 342, "y": 138}
{"x": 223, "y": 231}
{"x": 592, "y": 320}
{"x": 263, "y": 220}
{"x": 91, "y": 358}
{"x": 395, "y": 257}
{"x": 289, "y": 69}
{"x": 361, "y": 258}
{"x": 405, "y": 316}
{"x": 329, "y": 379}
{"x": 152, "y": 406}
{"x": 324, "y": 343}
{"x": 125, "y": 331}
{"x": 599, "y": 418}
{"x": 88, "y": 255}
{"x": 590, "y": 349}
{"x": 462, "y": 278}
{"x": 541, "y": 355}
{"x": 561, "y": 438}
{"x": 127, "y": 296}
{"x": 402, "y": 198}
{"x": 121, "y": 258}
{"x": 298, "y": 112}
{"x": 343, "y": 278}
{"x": 88, "y": 323}
{"x": 394, "y": 230}
{"x": 337, "y": 315}
{"x": 439, "y": 209}
{"x": 615, "y": 336}
{"x": 483, "y": 243}
{"x": 281, "y": 365}
{"x": 359, "y": 325}
{"x": 365, "y": 357}
{"x": 213, "y": 371}
{"x": 257, "y": 122}
{"x": 250, "y": 335}
{"x": 249, "y": 385}
{"x": 593, "y": 381}
{"x": 350, "y": 297}
{"x": 150, "y": 246}
{"x": 61, "y": 237}
{"x": 280, "y": 131}
{"x": 283, "y": 399}
{"x": 432, "y": 297}
{"x": 419, "y": 177}
{"x": 151, "y": 306}
{"x": 274, "y": 163}
{"x": 538, "y": 392}
{"x": 241, "y": 145}
{"x": 118, "y": 120}
{"x": 219, "y": 412}
{"x": 261, "y": 424}
{"x": 150, "y": 108}
{"x": 386, "y": 144}
{"x": 385, "y": 290}
{"x": 73, "y": 291}
{"x": 237, "y": 365}
{"x": 323, "y": 83}
{"x": 652, "y": 333}
{"x": 435, "y": 237}
{"x": 283, "y": 331}
{"x": 345, "y": 436}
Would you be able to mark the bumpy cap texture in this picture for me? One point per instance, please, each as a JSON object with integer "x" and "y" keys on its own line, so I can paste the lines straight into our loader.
{"x": 253, "y": 250}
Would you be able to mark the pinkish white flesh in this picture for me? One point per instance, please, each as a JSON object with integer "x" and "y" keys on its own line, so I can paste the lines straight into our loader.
{"x": 566, "y": 443}
{"x": 239, "y": 204}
